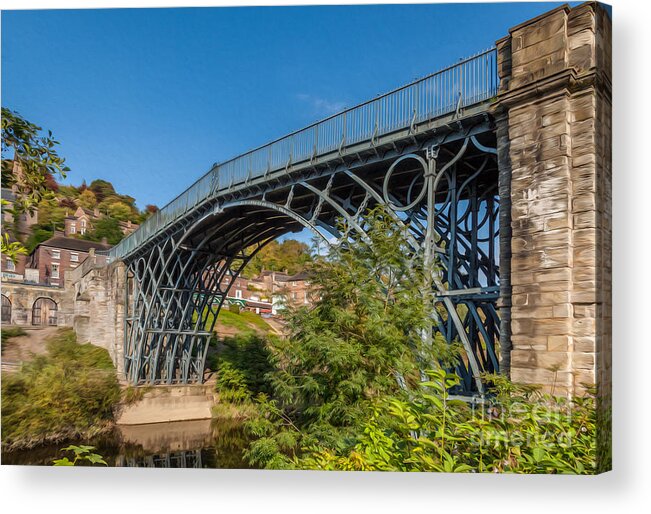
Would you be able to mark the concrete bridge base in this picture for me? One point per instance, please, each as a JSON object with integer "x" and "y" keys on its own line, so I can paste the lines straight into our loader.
{"x": 161, "y": 404}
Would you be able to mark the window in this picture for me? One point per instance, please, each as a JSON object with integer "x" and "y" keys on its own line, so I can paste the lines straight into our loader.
{"x": 74, "y": 257}
{"x": 294, "y": 295}
{"x": 238, "y": 293}
{"x": 73, "y": 228}
{"x": 9, "y": 265}
{"x": 82, "y": 229}
{"x": 55, "y": 271}
{"x": 56, "y": 254}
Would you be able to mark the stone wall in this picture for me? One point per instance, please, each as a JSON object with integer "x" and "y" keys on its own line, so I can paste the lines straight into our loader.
{"x": 22, "y": 297}
{"x": 554, "y": 147}
{"x": 99, "y": 307}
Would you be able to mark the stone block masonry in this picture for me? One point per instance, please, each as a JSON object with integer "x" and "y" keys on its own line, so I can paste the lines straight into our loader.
{"x": 553, "y": 118}
{"x": 99, "y": 307}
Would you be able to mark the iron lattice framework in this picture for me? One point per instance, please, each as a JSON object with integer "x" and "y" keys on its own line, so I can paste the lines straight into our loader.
{"x": 441, "y": 185}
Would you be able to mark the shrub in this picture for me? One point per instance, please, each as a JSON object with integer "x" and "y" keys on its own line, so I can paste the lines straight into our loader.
{"x": 69, "y": 392}
{"x": 519, "y": 431}
{"x": 7, "y": 333}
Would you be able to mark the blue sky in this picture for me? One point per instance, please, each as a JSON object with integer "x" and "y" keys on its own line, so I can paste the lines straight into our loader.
{"x": 149, "y": 99}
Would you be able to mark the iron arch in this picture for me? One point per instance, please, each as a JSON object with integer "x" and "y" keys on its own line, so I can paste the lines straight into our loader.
{"x": 178, "y": 283}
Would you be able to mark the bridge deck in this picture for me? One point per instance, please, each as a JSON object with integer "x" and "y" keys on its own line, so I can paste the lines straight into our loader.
{"x": 425, "y": 104}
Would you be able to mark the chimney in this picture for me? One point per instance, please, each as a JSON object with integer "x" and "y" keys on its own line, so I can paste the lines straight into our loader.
{"x": 96, "y": 212}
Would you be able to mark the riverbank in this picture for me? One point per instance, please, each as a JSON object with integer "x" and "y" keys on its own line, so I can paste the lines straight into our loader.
{"x": 69, "y": 391}
{"x": 183, "y": 444}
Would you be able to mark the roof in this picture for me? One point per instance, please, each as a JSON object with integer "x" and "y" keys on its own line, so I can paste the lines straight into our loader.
{"x": 8, "y": 194}
{"x": 70, "y": 243}
{"x": 268, "y": 272}
{"x": 89, "y": 212}
{"x": 295, "y": 278}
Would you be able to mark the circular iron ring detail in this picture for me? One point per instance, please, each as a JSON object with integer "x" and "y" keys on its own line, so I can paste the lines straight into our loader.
{"x": 387, "y": 177}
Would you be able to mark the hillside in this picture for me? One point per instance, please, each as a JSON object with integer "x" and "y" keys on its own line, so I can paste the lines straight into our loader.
{"x": 100, "y": 197}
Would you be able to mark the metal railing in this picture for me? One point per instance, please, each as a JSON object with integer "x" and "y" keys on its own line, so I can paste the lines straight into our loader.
{"x": 463, "y": 84}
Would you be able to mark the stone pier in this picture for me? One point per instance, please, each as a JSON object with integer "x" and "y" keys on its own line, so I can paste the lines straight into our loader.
{"x": 99, "y": 306}
{"x": 553, "y": 118}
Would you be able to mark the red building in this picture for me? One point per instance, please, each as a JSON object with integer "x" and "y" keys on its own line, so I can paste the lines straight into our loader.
{"x": 52, "y": 258}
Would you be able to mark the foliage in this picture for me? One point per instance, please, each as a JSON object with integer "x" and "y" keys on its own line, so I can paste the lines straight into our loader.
{"x": 39, "y": 234}
{"x": 105, "y": 227}
{"x": 232, "y": 385}
{"x": 51, "y": 214}
{"x": 7, "y": 333}
{"x": 119, "y": 211}
{"x": 67, "y": 393}
{"x": 87, "y": 199}
{"x": 345, "y": 389}
{"x": 519, "y": 431}
{"x": 38, "y": 162}
{"x": 359, "y": 343}
{"x": 11, "y": 248}
{"x": 131, "y": 394}
{"x": 83, "y": 454}
{"x": 101, "y": 189}
{"x": 248, "y": 355}
{"x": 290, "y": 255}
{"x": 36, "y": 156}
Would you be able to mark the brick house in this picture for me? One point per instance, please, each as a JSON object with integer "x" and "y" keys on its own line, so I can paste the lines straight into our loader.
{"x": 83, "y": 219}
{"x": 52, "y": 258}
{"x": 297, "y": 289}
{"x": 292, "y": 290}
{"x": 269, "y": 292}
{"x": 13, "y": 270}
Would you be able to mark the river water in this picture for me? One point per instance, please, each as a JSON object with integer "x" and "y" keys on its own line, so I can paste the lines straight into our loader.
{"x": 182, "y": 444}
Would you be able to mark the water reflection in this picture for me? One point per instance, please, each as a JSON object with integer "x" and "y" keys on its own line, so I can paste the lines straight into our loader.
{"x": 182, "y": 459}
{"x": 182, "y": 444}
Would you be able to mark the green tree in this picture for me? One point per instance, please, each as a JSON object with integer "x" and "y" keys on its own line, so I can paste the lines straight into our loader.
{"x": 361, "y": 341}
{"x": 105, "y": 227}
{"x": 290, "y": 255}
{"x": 68, "y": 191}
{"x": 38, "y": 235}
{"x": 50, "y": 213}
{"x": 102, "y": 189}
{"x": 87, "y": 199}
{"x": 37, "y": 163}
{"x": 120, "y": 211}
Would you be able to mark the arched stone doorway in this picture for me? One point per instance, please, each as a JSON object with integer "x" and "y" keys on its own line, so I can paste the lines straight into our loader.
{"x": 6, "y": 310}
{"x": 44, "y": 312}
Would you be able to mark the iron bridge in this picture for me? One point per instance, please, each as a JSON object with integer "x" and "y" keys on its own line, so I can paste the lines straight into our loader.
{"x": 426, "y": 151}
